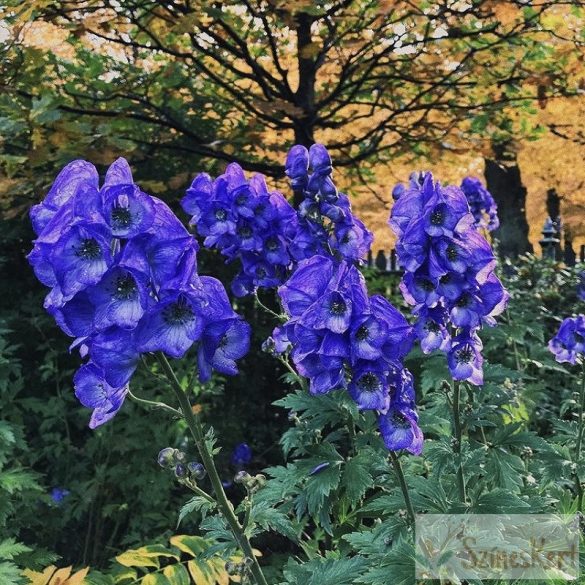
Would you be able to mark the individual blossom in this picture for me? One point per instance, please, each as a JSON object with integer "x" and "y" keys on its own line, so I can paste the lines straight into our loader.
{"x": 58, "y": 495}
{"x": 123, "y": 276}
{"x": 449, "y": 276}
{"x": 481, "y": 203}
{"x": 464, "y": 358}
{"x": 241, "y": 455}
{"x": 569, "y": 342}
{"x": 400, "y": 430}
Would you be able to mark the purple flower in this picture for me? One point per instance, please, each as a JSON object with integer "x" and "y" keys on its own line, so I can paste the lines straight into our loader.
{"x": 222, "y": 343}
{"x": 123, "y": 276}
{"x": 446, "y": 212}
{"x": 569, "y": 342}
{"x": 431, "y": 330}
{"x": 369, "y": 386}
{"x": 481, "y": 203}
{"x": 400, "y": 430}
{"x": 449, "y": 272}
{"x": 241, "y": 455}
{"x": 127, "y": 210}
{"x": 297, "y": 166}
{"x": 465, "y": 360}
{"x": 120, "y": 298}
{"x": 81, "y": 257}
{"x": 115, "y": 351}
{"x": 58, "y": 494}
{"x": 93, "y": 391}
{"x": 172, "y": 325}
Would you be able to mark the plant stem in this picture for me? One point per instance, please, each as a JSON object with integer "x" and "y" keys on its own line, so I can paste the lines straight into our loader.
{"x": 223, "y": 503}
{"x": 268, "y": 309}
{"x": 403, "y": 486}
{"x": 580, "y": 438}
{"x": 154, "y": 404}
{"x": 458, "y": 439}
{"x": 196, "y": 489}
{"x": 581, "y": 410}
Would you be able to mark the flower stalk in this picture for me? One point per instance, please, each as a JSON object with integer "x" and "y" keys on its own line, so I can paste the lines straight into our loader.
{"x": 458, "y": 439}
{"x": 223, "y": 504}
{"x": 580, "y": 437}
{"x": 403, "y": 485}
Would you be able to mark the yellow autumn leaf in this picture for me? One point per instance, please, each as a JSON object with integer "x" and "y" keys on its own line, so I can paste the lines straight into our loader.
{"x": 54, "y": 576}
{"x": 40, "y": 578}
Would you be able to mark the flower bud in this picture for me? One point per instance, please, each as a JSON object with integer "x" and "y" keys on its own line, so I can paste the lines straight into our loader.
{"x": 242, "y": 477}
{"x": 196, "y": 470}
{"x": 180, "y": 470}
{"x": 166, "y": 457}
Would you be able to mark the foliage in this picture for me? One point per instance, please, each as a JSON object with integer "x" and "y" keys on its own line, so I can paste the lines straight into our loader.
{"x": 189, "y": 79}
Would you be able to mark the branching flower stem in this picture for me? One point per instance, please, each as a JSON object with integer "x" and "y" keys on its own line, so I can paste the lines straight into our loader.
{"x": 458, "y": 439}
{"x": 403, "y": 485}
{"x": 198, "y": 434}
{"x": 155, "y": 404}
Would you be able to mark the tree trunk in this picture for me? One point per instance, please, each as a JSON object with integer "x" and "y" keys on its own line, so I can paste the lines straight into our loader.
{"x": 304, "y": 124}
{"x": 505, "y": 184}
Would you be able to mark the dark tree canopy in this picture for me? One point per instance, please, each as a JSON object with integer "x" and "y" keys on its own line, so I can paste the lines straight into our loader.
{"x": 238, "y": 80}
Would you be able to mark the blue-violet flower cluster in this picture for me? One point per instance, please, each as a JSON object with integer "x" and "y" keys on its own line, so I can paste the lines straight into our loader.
{"x": 449, "y": 272}
{"x": 481, "y": 203}
{"x": 339, "y": 337}
{"x": 123, "y": 276}
{"x": 244, "y": 221}
{"x": 569, "y": 342}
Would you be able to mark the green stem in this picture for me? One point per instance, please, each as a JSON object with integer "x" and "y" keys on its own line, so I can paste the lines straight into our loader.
{"x": 196, "y": 489}
{"x": 268, "y": 309}
{"x": 458, "y": 440}
{"x": 301, "y": 381}
{"x": 223, "y": 503}
{"x": 154, "y": 404}
{"x": 581, "y": 410}
{"x": 403, "y": 485}
{"x": 580, "y": 438}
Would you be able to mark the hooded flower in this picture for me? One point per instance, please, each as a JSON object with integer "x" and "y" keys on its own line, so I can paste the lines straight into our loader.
{"x": 400, "y": 430}
{"x": 481, "y": 203}
{"x": 569, "y": 342}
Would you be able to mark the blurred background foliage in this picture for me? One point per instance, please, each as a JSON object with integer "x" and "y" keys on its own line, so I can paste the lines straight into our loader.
{"x": 185, "y": 86}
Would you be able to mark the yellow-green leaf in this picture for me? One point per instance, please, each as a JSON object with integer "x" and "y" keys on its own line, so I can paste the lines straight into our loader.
{"x": 177, "y": 575}
{"x": 146, "y": 556}
{"x": 191, "y": 545}
{"x": 154, "y": 579}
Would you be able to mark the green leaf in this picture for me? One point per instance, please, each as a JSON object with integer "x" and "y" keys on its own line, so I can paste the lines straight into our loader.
{"x": 271, "y": 518}
{"x": 154, "y": 579}
{"x": 177, "y": 575}
{"x": 192, "y": 545}
{"x": 357, "y": 478}
{"x": 10, "y": 574}
{"x": 499, "y": 500}
{"x": 319, "y": 486}
{"x": 9, "y": 549}
{"x": 195, "y": 504}
{"x": 146, "y": 556}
